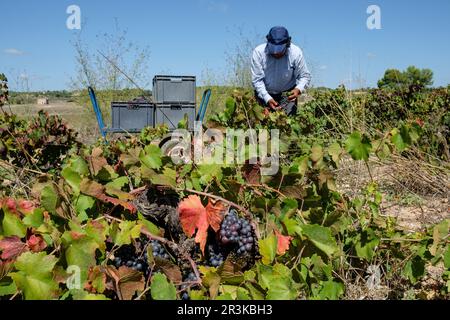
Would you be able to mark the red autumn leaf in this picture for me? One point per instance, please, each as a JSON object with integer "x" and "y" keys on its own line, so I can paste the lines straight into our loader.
{"x": 283, "y": 242}
{"x": 11, "y": 247}
{"x": 215, "y": 211}
{"x": 420, "y": 122}
{"x": 11, "y": 205}
{"x": 36, "y": 243}
{"x": 191, "y": 210}
{"x": 193, "y": 215}
{"x": 26, "y": 206}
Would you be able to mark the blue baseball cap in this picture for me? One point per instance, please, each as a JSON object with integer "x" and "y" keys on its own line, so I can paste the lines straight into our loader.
{"x": 277, "y": 40}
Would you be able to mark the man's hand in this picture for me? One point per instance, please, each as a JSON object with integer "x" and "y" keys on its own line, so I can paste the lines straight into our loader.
{"x": 294, "y": 94}
{"x": 272, "y": 104}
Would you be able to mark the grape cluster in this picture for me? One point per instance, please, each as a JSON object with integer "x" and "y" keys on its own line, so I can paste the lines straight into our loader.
{"x": 190, "y": 277}
{"x": 216, "y": 257}
{"x": 158, "y": 250}
{"x": 237, "y": 231}
{"x": 127, "y": 256}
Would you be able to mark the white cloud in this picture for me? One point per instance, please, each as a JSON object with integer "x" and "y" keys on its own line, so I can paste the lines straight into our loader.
{"x": 371, "y": 55}
{"x": 214, "y": 5}
{"x": 14, "y": 52}
{"x": 323, "y": 67}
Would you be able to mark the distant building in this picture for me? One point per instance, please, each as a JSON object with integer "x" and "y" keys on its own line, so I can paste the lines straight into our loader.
{"x": 42, "y": 101}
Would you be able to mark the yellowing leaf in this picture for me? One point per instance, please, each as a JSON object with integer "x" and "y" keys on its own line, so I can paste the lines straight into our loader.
{"x": 268, "y": 248}
{"x": 34, "y": 276}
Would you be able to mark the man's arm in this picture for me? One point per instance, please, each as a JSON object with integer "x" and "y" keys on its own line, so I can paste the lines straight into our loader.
{"x": 258, "y": 77}
{"x": 302, "y": 74}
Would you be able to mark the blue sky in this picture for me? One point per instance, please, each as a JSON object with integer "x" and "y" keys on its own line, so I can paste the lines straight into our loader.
{"x": 189, "y": 36}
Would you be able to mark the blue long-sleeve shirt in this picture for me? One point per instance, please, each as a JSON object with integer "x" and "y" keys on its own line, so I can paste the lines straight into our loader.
{"x": 273, "y": 76}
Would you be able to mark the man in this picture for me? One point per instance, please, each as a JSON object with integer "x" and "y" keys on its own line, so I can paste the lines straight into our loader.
{"x": 278, "y": 66}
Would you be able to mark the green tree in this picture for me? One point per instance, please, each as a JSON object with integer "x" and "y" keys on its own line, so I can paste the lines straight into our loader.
{"x": 412, "y": 76}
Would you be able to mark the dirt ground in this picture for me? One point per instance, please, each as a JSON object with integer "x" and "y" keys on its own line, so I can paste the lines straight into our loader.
{"x": 417, "y": 199}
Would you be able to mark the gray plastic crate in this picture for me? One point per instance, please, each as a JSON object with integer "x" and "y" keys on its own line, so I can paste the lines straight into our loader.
{"x": 131, "y": 116}
{"x": 174, "y": 89}
{"x": 173, "y": 114}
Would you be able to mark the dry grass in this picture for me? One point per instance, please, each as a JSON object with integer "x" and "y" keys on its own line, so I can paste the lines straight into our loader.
{"x": 414, "y": 191}
{"x": 79, "y": 118}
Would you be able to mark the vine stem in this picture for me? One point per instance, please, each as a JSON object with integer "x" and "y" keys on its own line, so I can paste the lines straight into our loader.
{"x": 206, "y": 194}
{"x": 2, "y": 162}
{"x": 15, "y": 295}
{"x": 266, "y": 187}
{"x": 230, "y": 203}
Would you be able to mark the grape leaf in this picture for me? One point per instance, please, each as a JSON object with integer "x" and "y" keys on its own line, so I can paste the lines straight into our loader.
{"x": 447, "y": 258}
{"x": 161, "y": 289}
{"x": 358, "y": 147}
{"x": 125, "y": 231}
{"x": 78, "y": 165}
{"x": 151, "y": 156}
{"x": 414, "y": 269}
{"x": 49, "y": 198}
{"x": 73, "y": 178}
{"x": 268, "y": 248}
{"x": 82, "y": 204}
{"x": 11, "y": 247}
{"x": 34, "y": 219}
{"x": 215, "y": 211}
{"x": 26, "y": 207}
{"x": 366, "y": 243}
{"x": 97, "y": 190}
{"x": 81, "y": 253}
{"x": 283, "y": 243}
{"x": 282, "y": 288}
{"x": 36, "y": 243}
{"x": 335, "y": 152}
{"x": 316, "y": 153}
{"x": 96, "y": 281}
{"x": 321, "y": 237}
{"x": 7, "y": 288}
{"x": 193, "y": 215}
{"x": 96, "y": 161}
{"x": 83, "y": 295}
{"x": 211, "y": 280}
{"x": 34, "y": 276}
{"x": 127, "y": 281}
{"x": 330, "y": 290}
{"x": 12, "y": 225}
{"x": 117, "y": 183}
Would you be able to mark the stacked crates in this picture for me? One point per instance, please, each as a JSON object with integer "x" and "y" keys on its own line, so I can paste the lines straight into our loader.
{"x": 173, "y": 98}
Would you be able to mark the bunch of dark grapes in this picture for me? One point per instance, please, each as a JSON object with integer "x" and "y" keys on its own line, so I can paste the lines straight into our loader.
{"x": 158, "y": 250}
{"x": 216, "y": 257}
{"x": 237, "y": 231}
{"x": 190, "y": 277}
{"x": 127, "y": 256}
